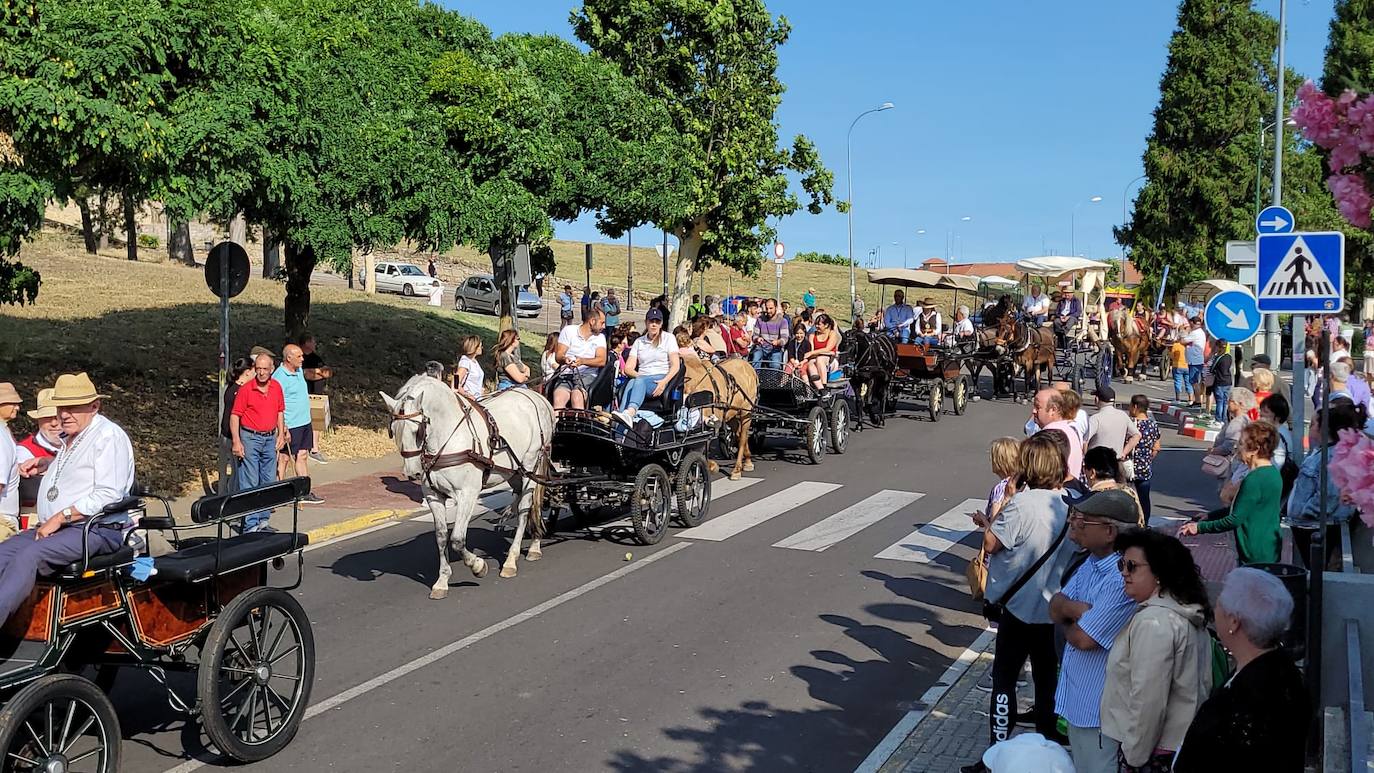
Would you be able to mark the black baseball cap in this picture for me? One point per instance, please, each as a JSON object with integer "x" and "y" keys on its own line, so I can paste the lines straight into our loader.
{"x": 1106, "y": 394}
{"x": 653, "y": 315}
{"x": 1113, "y": 504}
{"x": 1261, "y": 359}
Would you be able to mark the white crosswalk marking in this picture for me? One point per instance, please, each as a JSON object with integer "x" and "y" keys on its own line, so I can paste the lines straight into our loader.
{"x": 728, "y": 525}
{"x": 724, "y": 486}
{"x": 935, "y": 537}
{"x": 849, "y": 521}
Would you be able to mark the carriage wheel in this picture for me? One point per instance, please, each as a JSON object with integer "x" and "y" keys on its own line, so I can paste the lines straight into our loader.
{"x": 693, "y": 489}
{"x": 256, "y": 674}
{"x": 839, "y": 426}
{"x": 758, "y": 436}
{"x": 651, "y": 505}
{"x": 60, "y": 722}
{"x": 935, "y": 399}
{"x": 815, "y": 434}
{"x": 960, "y": 395}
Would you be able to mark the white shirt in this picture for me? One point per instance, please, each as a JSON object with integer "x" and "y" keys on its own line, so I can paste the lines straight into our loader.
{"x": 9, "y": 477}
{"x": 472, "y": 383}
{"x": 579, "y": 347}
{"x": 652, "y": 360}
{"x": 1036, "y": 304}
{"x": 22, "y": 454}
{"x": 749, "y": 323}
{"x": 963, "y": 327}
{"x": 1195, "y": 342}
{"x": 1080, "y": 423}
{"x": 89, "y": 473}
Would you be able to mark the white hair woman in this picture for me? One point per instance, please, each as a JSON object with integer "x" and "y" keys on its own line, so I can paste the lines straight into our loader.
{"x": 1254, "y": 721}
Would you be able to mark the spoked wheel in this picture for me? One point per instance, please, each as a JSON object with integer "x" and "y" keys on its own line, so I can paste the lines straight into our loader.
{"x": 815, "y": 434}
{"x": 693, "y": 489}
{"x": 960, "y": 395}
{"x": 255, "y": 674}
{"x": 839, "y": 426}
{"x": 651, "y": 505}
{"x": 60, "y": 722}
{"x": 935, "y": 400}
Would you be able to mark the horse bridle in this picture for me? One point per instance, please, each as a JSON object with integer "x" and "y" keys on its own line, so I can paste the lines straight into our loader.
{"x": 420, "y": 433}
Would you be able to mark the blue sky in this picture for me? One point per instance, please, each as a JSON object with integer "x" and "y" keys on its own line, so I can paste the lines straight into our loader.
{"x": 1009, "y": 113}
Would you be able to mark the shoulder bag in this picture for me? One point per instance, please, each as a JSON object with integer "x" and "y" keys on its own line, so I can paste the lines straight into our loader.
{"x": 1216, "y": 465}
{"x": 993, "y": 610}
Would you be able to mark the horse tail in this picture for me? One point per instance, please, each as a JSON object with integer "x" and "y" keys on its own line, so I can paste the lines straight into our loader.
{"x": 535, "y": 521}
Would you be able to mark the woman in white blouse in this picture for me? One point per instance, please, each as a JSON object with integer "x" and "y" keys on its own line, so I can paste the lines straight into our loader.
{"x": 469, "y": 376}
{"x": 652, "y": 363}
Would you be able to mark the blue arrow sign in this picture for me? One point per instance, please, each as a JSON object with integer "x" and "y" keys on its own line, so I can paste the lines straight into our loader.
{"x": 1301, "y": 273}
{"x": 1232, "y": 316}
{"x": 1274, "y": 220}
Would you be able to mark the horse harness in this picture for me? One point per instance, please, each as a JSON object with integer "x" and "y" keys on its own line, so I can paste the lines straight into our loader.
{"x": 495, "y": 444}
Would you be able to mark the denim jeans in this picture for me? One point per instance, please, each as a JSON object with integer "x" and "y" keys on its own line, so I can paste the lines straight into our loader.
{"x": 258, "y": 467}
{"x": 636, "y": 390}
{"x": 1180, "y": 382}
{"x": 773, "y": 357}
{"x": 1223, "y": 395}
{"x": 927, "y": 340}
{"x": 505, "y": 383}
{"x": 1142, "y": 490}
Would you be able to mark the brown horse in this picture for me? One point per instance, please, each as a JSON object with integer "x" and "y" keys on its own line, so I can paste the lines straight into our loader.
{"x": 1030, "y": 347}
{"x": 1130, "y": 338}
{"x": 735, "y": 386}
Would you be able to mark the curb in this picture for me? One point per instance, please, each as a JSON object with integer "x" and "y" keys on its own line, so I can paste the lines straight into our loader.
{"x": 333, "y": 531}
{"x": 887, "y": 748}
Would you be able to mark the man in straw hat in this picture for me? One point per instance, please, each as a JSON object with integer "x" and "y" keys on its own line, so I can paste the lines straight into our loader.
{"x": 93, "y": 468}
{"x": 42, "y": 444}
{"x": 928, "y": 323}
{"x": 9, "y": 464}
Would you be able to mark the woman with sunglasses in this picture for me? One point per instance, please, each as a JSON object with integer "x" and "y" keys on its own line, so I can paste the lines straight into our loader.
{"x": 1159, "y": 670}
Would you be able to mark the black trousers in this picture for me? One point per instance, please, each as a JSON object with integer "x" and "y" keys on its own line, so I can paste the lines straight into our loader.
{"x": 1017, "y": 641}
{"x": 1302, "y": 545}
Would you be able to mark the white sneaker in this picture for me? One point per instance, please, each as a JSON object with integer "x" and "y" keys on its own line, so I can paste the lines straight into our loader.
{"x": 625, "y": 417}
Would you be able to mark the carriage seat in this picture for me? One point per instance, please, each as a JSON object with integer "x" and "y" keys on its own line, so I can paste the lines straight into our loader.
{"x": 97, "y": 563}
{"x": 666, "y": 404}
{"x": 196, "y": 563}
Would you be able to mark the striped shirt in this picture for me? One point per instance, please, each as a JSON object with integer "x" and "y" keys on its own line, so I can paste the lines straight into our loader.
{"x": 1078, "y": 698}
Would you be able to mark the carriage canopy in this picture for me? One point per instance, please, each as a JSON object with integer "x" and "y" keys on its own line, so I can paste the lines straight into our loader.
{"x": 1198, "y": 293}
{"x": 919, "y": 277}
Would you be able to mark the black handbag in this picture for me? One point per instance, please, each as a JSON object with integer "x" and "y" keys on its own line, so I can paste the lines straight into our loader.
{"x": 993, "y": 610}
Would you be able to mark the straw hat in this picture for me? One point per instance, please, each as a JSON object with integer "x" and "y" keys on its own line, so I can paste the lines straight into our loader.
{"x": 8, "y": 394}
{"x": 927, "y": 303}
{"x": 45, "y": 409}
{"x": 74, "y": 389}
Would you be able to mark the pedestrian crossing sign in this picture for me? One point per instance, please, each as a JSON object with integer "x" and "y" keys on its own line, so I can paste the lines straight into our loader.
{"x": 1301, "y": 273}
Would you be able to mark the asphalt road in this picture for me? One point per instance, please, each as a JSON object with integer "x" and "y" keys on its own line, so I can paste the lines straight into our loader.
{"x": 760, "y": 643}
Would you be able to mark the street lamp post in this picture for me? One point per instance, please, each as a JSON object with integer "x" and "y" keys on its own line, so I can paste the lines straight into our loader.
{"x": 1073, "y": 214}
{"x": 849, "y": 174}
{"x": 949, "y": 233}
{"x": 903, "y": 246}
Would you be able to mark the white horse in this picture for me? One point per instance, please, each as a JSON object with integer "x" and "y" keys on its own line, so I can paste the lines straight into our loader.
{"x": 448, "y": 446}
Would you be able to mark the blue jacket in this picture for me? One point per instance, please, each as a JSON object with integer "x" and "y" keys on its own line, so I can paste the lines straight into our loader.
{"x": 1304, "y": 503}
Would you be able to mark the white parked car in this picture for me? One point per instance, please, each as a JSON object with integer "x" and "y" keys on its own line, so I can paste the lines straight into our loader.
{"x": 403, "y": 278}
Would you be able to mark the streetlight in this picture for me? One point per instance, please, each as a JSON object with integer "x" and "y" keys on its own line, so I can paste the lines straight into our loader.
{"x": 949, "y": 257}
{"x": 903, "y": 246}
{"x": 1073, "y": 249}
{"x": 849, "y": 174}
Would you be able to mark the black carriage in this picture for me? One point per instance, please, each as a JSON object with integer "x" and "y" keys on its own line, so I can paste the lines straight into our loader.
{"x": 790, "y": 405}
{"x": 660, "y": 474}
{"x": 208, "y": 611}
{"x": 930, "y": 373}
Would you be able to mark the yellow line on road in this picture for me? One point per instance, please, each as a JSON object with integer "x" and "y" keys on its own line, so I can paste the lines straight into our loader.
{"x": 354, "y": 524}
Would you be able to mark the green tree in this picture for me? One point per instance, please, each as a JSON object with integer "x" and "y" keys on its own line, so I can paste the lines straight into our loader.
{"x": 713, "y": 64}
{"x": 538, "y": 130}
{"x": 1350, "y": 65}
{"x": 1200, "y": 157}
{"x": 822, "y": 257}
{"x": 21, "y": 213}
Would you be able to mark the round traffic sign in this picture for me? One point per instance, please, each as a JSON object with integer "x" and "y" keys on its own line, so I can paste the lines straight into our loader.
{"x": 778, "y": 250}
{"x": 237, "y": 259}
{"x": 1232, "y": 316}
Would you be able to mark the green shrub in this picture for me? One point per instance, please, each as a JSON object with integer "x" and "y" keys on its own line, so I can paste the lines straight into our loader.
{"x": 147, "y": 240}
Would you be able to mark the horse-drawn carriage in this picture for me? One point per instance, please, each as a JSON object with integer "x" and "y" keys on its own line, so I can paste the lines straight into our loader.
{"x": 656, "y": 470}
{"x": 207, "y": 610}
{"x": 789, "y": 404}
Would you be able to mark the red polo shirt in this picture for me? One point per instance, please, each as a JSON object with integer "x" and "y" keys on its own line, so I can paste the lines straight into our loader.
{"x": 256, "y": 408}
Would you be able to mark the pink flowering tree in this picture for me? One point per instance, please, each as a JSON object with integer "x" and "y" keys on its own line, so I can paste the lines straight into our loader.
{"x": 1344, "y": 127}
{"x": 1352, "y": 470}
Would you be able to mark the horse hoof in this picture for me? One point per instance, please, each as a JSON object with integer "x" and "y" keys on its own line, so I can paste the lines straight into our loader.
{"x": 438, "y": 594}
{"x": 712, "y": 467}
{"x": 534, "y": 554}
{"x": 507, "y": 572}
{"x": 735, "y": 475}
{"x": 748, "y": 467}
{"x": 480, "y": 570}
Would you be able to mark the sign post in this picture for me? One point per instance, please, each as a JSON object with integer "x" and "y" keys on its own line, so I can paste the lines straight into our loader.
{"x": 226, "y": 274}
{"x": 1274, "y": 219}
{"x": 778, "y": 260}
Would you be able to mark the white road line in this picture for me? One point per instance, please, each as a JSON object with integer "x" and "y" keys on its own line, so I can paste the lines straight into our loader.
{"x": 908, "y": 723}
{"x": 936, "y": 537}
{"x": 732, "y": 523}
{"x": 849, "y": 521}
{"x": 425, "y": 660}
{"x": 721, "y": 487}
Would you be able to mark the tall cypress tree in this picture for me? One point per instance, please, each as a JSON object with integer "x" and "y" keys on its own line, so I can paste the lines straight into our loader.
{"x": 1200, "y": 157}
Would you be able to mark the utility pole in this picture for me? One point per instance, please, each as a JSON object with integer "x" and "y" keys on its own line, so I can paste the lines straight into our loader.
{"x": 630, "y": 269}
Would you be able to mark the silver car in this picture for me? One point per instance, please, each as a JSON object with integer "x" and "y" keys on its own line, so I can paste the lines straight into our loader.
{"x": 479, "y": 293}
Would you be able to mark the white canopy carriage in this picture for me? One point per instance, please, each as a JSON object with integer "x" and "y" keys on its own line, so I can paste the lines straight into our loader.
{"x": 1092, "y": 282}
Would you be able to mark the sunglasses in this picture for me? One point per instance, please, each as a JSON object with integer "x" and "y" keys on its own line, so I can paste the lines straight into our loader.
{"x": 1126, "y": 566}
